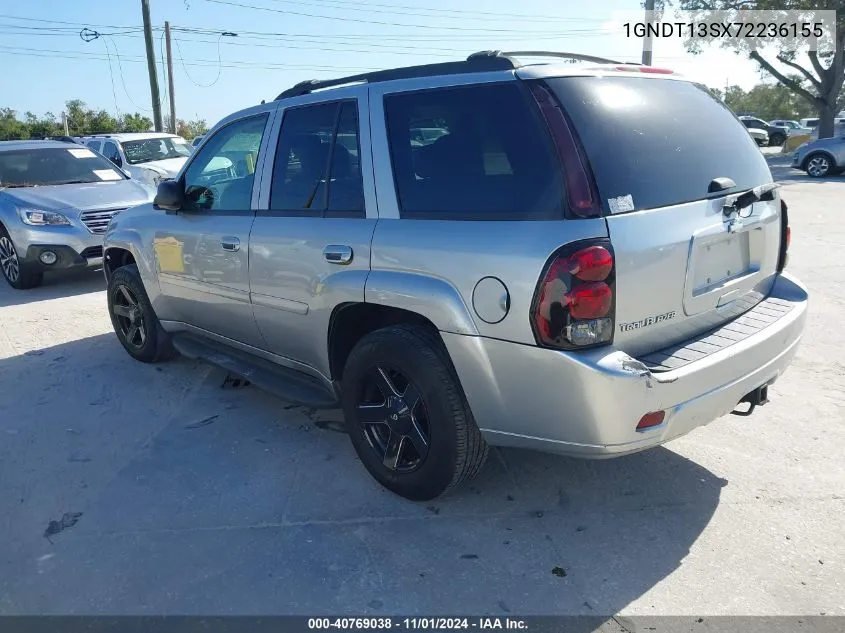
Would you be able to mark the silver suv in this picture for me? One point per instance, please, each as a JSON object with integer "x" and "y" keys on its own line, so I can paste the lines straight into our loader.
{"x": 56, "y": 200}
{"x": 474, "y": 253}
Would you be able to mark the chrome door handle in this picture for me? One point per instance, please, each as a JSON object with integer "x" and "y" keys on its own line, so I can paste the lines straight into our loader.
{"x": 337, "y": 254}
{"x": 231, "y": 244}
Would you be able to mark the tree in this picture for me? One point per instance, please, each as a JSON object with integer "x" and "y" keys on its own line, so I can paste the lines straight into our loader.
{"x": 135, "y": 123}
{"x": 820, "y": 83}
{"x": 10, "y": 128}
{"x": 767, "y": 101}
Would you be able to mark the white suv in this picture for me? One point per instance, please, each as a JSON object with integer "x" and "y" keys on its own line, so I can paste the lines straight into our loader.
{"x": 147, "y": 156}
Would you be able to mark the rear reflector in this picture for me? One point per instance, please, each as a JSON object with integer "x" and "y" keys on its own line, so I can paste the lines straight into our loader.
{"x": 655, "y": 418}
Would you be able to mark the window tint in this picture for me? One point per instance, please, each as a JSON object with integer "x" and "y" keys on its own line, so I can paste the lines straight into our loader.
{"x": 110, "y": 151}
{"x": 658, "y": 160}
{"x": 222, "y": 173}
{"x": 475, "y": 152}
{"x": 317, "y": 169}
{"x": 95, "y": 145}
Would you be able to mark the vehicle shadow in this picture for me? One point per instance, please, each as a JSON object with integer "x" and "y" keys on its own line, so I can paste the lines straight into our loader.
{"x": 56, "y": 285}
{"x": 200, "y": 499}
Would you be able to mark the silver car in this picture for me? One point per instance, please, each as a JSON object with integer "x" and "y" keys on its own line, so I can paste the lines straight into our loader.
{"x": 56, "y": 200}
{"x": 823, "y": 157}
{"x": 553, "y": 266}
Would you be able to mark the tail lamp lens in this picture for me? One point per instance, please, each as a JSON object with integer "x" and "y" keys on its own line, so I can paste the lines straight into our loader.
{"x": 574, "y": 303}
{"x": 593, "y": 263}
{"x": 788, "y": 237}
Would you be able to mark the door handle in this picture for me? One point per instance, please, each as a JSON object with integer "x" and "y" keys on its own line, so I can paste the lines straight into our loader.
{"x": 231, "y": 244}
{"x": 337, "y": 254}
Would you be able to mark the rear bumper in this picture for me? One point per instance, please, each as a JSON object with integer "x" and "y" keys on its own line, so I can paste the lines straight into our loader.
{"x": 589, "y": 403}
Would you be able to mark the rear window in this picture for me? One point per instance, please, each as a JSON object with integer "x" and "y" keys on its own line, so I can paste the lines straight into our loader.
{"x": 471, "y": 152}
{"x": 655, "y": 143}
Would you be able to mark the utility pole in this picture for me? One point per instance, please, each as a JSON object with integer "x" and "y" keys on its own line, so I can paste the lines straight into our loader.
{"x": 170, "y": 78}
{"x": 64, "y": 123}
{"x": 151, "y": 65}
{"x": 647, "y": 40}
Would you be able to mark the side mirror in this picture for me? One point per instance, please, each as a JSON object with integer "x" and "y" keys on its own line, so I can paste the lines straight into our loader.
{"x": 170, "y": 195}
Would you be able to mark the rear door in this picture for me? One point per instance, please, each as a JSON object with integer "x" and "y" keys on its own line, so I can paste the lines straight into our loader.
{"x": 310, "y": 244}
{"x": 683, "y": 266}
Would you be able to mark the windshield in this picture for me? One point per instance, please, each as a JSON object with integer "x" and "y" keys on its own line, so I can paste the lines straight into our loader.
{"x": 655, "y": 161}
{"x": 40, "y": 166}
{"x": 150, "y": 149}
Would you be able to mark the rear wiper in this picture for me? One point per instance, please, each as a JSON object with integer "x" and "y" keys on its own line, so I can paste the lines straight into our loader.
{"x": 757, "y": 194}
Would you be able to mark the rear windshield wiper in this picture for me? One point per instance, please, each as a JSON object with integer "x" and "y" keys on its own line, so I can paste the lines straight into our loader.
{"x": 757, "y": 194}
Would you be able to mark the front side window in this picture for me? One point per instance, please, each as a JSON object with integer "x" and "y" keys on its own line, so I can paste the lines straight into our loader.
{"x": 54, "y": 166}
{"x": 317, "y": 170}
{"x": 150, "y": 149}
{"x": 472, "y": 152}
{"x": 111, "y": 152}
{"x": 222, "y": 173}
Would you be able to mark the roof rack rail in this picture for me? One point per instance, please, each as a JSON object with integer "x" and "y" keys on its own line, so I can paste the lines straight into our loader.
{"x": 559, "y": 55}
{"x": 473, "y": 64}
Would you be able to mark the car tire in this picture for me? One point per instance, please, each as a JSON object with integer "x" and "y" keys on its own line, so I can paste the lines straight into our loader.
{"x": 418, "y": 443}
{"x": 819, "y": 165}
{"x": 777, "y": 140}
{"x": 135, "y": 322}
{"x": 20, "y": 275}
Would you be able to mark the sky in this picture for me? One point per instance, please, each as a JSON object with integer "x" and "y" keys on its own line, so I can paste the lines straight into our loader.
{"x": 45, "y": 61}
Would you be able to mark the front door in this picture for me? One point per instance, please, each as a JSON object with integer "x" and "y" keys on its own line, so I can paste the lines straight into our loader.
{"x": 310, "y": 246}
{"x": 202, "y": 251}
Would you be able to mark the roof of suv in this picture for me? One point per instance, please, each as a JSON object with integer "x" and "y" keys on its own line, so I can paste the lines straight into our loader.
{"x": 29, "y": 144}
{"x": 487, "y": 61}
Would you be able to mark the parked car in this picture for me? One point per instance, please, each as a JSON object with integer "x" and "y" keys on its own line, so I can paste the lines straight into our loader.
{"x": 760, "y": 136}
{"x": 822, "y": 157}
{"x": 775, "y": 134}
{"x": 149, "y": 156}
{"x": 793, "y": 127}
{"x": 346, "y": 260}
{"x": 56, "y": 200}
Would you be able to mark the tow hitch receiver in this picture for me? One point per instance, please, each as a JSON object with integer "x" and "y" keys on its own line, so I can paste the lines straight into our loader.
{"x": 753, "y": 398}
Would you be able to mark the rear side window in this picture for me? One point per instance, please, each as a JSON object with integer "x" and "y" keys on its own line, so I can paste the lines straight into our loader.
{"x": 472, "y": 152}
{"x": 317, "y": 170}
{"x": 655, "y": 143}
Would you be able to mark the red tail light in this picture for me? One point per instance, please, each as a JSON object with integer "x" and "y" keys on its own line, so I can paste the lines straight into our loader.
{"x": 788, "y": 237}
{"x": 590, "y": 301}
{"x": 574, "y": 302}
{"x": 593, "y": 263}
{"x": 579, "y": 191}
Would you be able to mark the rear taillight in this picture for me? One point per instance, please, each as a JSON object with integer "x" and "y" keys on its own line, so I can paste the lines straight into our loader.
{"x": 582, "y": 200}
{"x": 574, "y": 302}
{"x": 785, "y": 237}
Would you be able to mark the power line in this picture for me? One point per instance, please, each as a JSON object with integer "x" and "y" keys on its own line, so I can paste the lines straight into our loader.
{"x": 219, "y": 64}
{"x": 362, "y": 21}
{"x": 438, "y": 12}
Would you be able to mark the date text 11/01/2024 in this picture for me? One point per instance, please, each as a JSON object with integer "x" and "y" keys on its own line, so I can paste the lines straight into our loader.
{"x": 418, "y": 623}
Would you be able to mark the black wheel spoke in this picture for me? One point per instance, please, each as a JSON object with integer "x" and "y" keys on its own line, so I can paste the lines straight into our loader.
{"x": 372, "y": 413}
{"x": 393, "y": 451}
{"x": 384, "y": 383}
{"x": 142, "y": 334}
{"x": 418, "y": 439}
{"x": 130, "y": 300}
{"x": 132, "y": 333}
{"x": 120, "y": 310}
{"x": 411, "y": 397}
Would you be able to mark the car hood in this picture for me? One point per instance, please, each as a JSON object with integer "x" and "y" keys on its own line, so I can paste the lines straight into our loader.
{"x": 94, "y": 195}
{"x": 170, "y": 166}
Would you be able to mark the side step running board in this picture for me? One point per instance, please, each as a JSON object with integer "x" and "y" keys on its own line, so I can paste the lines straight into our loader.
{"x": 285, "y": 383}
